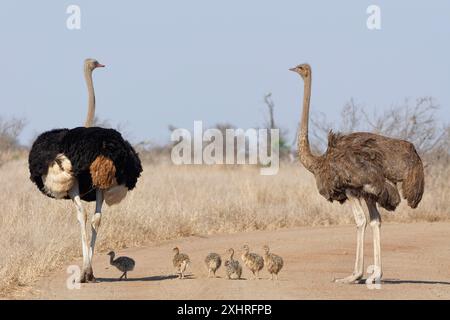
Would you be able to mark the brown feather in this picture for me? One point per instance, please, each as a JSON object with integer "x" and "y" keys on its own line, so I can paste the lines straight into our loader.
{"x": 414, "y": 183}
{"x": 103, "y": 173}
{"x": 370, "y": 166}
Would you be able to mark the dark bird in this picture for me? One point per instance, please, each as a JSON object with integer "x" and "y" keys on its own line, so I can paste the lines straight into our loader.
{"x": 85, "y": 163}
{"x": 123, "y": 264}
{"x": 358, "y": 167}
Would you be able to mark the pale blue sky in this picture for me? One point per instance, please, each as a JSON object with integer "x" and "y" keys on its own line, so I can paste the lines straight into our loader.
{"x": 173, "y": 62}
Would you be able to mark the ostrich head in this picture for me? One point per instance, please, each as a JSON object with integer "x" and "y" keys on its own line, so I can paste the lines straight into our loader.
{"x": 111, "y": 254}
{"x": 176, "y": 250}
{"x": 246, "y": 248}
{"x": 302, "y": 69}
{"x": 91, "y": 64}
{"x": 266, "y": 249}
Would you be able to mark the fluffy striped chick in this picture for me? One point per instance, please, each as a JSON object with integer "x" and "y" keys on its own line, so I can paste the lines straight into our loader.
{"x": 213, "y": 262}
{"x": 253, "y": 261}
{"x": 233, "y": 268}
{"x": 180, "y": 262}
{"x": 273, "y": 262}
{"x": 124, "y": 264}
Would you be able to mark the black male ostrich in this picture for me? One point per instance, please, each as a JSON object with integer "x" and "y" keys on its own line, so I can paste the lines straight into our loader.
{"x": 85, "y": 163}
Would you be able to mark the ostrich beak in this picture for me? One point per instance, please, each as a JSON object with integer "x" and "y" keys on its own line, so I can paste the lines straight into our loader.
{"x": 292, "y": 69}
{"x": 100, "y": 65}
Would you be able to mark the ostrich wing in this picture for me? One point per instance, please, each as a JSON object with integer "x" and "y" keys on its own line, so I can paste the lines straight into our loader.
{"x": 355, "y": 162}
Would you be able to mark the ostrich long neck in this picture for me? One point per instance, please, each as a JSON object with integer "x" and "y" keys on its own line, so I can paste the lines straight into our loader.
{"x": 91, "y": 100}
{"x": 111, "y": 259}
{"x": 304, "y": 149}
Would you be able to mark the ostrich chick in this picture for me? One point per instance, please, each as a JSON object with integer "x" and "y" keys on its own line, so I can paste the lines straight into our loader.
{"x": 273, "y": 262}
{"x": 124, "y": 264}
{"x": 213, "y": 262}
{"x": 253, "y": 261}
{"x": 233, "y": 268}
{"x": 180, "y": 262}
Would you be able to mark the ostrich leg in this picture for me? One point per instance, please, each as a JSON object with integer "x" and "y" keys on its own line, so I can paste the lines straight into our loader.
{"x": 74, "y": 194}
{"x": 95, "y": 225}
{"x": 360, "y": 219}
{"x": 96, "y": 220}
{"x": 375, "y": 223}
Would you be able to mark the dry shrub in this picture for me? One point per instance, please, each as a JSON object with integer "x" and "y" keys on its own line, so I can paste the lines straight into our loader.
{"x": 414, "y": 120}
{"x": 10, "y": 129}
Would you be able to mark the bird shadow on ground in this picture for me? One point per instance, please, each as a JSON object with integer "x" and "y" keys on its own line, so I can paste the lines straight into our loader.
{"x": 400, "y": 281}
{"x": 225, "y": 278}
{"x": 151, "y": 278}
{"x": 187, "y": 277}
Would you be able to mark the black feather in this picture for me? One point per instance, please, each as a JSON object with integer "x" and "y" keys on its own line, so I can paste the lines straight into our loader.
{"x": 82, "y": 146}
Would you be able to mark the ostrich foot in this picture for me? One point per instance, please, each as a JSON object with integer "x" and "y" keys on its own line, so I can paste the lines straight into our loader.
{"x": 355, "y": 277}
{"x": 374, "y": 279}
{"x": 87, "y": 275}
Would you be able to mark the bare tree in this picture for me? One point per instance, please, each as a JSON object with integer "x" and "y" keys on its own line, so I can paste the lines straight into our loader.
{"x": 270, "y": 124}
{"x": 9, "y": 132}
{"x": 270, "y": 105}
{"x": 414, "y": 121}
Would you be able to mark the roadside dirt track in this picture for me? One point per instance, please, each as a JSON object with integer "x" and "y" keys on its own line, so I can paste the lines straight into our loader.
{"x": 416, "y": 262}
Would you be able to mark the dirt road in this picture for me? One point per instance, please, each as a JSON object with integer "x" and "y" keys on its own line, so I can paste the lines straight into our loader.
{"x": 416, "y": 259}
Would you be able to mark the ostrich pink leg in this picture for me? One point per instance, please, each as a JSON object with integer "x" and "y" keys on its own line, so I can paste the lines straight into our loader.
{"x": 74, "y": 194}
{"x": 360, "y": 219}
{"x": 375, "y": 223}
{"x": 96, "y": 220}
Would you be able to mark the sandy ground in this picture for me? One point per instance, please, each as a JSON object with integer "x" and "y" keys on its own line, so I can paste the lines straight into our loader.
{"x": 416, "y": 259}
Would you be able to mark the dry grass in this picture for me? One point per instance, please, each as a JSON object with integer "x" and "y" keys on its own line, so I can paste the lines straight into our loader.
{"x": 38, "y": 234}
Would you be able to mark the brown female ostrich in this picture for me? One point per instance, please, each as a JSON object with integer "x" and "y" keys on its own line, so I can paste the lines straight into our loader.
{"x": 361, "y": 166}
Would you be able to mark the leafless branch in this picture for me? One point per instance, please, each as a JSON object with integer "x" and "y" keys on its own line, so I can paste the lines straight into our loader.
{"x": 414, "y": 121}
